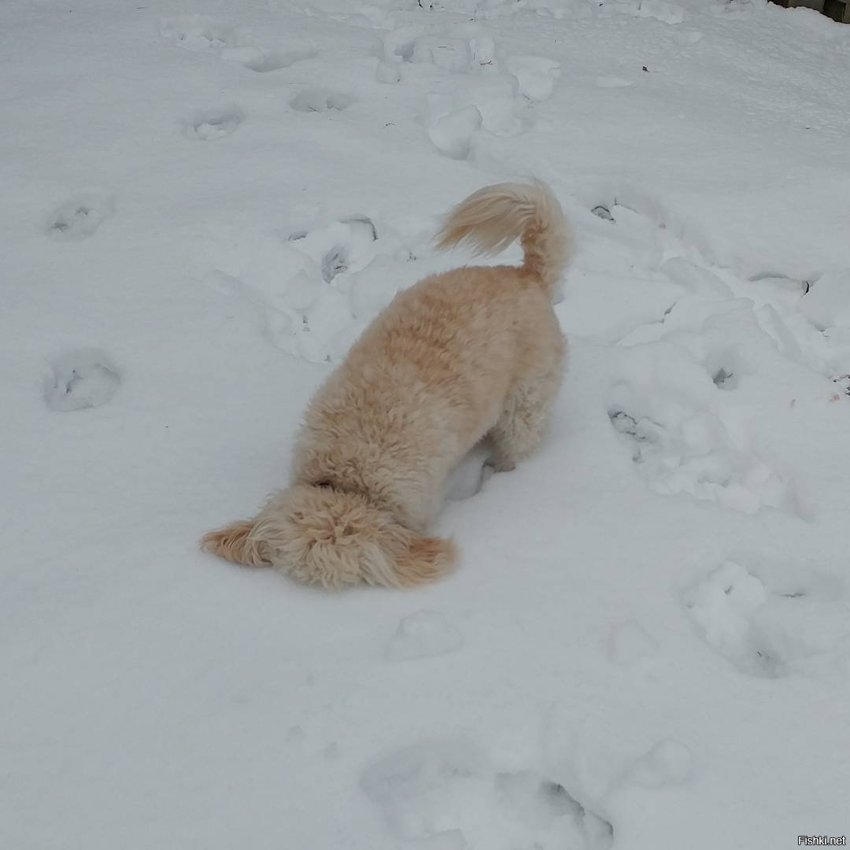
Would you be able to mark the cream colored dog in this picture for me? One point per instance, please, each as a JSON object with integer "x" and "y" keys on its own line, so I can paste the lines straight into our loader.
{"x": 475, "y": 352}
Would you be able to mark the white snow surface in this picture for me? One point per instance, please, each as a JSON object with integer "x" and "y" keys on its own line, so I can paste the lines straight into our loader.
{"x": 202, "y": 205}
{"x": 423, "y": 635}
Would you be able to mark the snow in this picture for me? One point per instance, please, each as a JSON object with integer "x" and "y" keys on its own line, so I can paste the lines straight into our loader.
{"x": 423, "y": 635}
{"x": 536, "y": 76}
{"x": 629, "y": 643}
{"x": 452, "y": 132}
{"x": 467, "y": 479}
{"x": 827, "y": 305}
{"x": 646, "y": 642}
{"x": 667, "y": 763}
{"x": 447, "y": 794}
{"x": 775, "y": 629}
{"x": 81, "y": 379}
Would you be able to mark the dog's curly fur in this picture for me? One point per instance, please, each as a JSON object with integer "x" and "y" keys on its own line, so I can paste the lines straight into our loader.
{"x": 475, "y": 352}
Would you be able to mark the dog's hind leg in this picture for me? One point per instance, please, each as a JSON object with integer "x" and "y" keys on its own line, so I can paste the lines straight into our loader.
{"x": 525, "y": 417}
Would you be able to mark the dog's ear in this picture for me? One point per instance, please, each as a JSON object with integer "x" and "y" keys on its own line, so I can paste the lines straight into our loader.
{"x": 426, "y": 559}
{"x": 235, "y": 544}
{"x": 320, "y": 536}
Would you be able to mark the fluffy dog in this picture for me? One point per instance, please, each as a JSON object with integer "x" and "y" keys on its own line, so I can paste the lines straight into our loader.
{"x": 472, "y": 353}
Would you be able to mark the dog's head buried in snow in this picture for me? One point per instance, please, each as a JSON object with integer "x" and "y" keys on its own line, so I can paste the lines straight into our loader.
{"x": 471, "y": 353}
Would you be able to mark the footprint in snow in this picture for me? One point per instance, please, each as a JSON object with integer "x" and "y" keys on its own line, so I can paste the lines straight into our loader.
{"x": 338, "y": 246}
{"x": 214, "y": 124}
{"x": 668, "y": 762}
{"x": 450, "y": 54}
{"x": 536, "y": 76}
{"x": 424, "y": 634}
{"x": 342, "y": 273}
{"x": 774, "y": 620}
{"x": 313, "y": 313}
{"x": 451, "y": 134}
{"x": 80, "y": 217}
{"x": 453, "y": 53}
{"x": 265, "y": 61}
{"x": 448, "y": 794}
{"x": 81, "y": 379}
{"x": 725, "y": 377}
{"x": 826, "y": 302}
{"x": 200, "y": 32}
{"x": 320, "y": 100}
{"x": 787, "y": 308}
{"x": 644, "y": 219}
{"x": 681, "y": 448}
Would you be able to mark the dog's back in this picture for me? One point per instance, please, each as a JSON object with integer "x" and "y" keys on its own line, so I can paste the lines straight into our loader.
{"x": 426, "y": 381}
{"x": 475, "y": 351}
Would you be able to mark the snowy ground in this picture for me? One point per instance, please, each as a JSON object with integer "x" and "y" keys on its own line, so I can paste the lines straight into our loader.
{"x": 647, "y": 643}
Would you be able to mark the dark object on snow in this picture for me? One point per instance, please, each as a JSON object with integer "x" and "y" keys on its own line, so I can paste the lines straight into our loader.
{"x": 601, "y": 211}
{"x": 843, "y": 381}
{"x": 722, "y": 378}
{"x": 363, "y": 219}
{"x": 838, "y": 10}
{"x": 333, "y": 263}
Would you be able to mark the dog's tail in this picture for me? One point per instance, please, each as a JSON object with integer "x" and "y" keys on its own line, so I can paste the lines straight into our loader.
{"x": 325, "y": 537}
{"x": 491, "y": 218}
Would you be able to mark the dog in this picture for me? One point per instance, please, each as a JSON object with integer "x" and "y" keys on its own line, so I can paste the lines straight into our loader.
{"x": 473, "y": 353}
